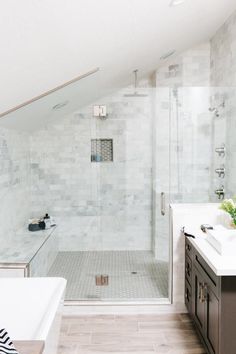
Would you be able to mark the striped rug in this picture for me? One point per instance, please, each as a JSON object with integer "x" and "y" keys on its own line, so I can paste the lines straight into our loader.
{"x": 6, "y": 345}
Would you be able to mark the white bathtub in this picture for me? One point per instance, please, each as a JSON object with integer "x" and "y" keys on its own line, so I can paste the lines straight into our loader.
{"x": 30, "y": 309}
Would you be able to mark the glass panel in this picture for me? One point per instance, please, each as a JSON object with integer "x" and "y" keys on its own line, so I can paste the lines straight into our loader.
{"x": 221, "y": 108}
{"x": 201, "y": 125}
{"x": 108, "y": 180}
{"x": 191, "y": 145}
{"x": 161, "y": 173}
{"x": 125, "y": 195}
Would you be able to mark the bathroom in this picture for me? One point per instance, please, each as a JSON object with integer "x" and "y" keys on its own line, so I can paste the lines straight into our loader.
{"x": 113, "y": 151}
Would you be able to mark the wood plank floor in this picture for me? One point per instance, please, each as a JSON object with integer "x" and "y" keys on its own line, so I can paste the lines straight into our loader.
{"x": 29, "y": 347}
{"x": 141, "y": 334}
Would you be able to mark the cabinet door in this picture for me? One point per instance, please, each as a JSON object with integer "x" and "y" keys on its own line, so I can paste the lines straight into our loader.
{"x": 198, "y": 302}
{"x": 212, "y": 321}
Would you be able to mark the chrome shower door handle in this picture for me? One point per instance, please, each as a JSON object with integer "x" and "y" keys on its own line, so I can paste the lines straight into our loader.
{"x": 163, "y": 204}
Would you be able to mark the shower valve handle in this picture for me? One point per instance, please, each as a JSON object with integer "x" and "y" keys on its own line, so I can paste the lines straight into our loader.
{"x": 220, "y": 192}
{"x": 220, "y": 171}
{"x": 163, "y": 204}
{"x": 221, "y": 150}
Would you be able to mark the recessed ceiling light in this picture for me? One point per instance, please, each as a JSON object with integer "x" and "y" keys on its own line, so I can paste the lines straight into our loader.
{"x": 60, "y": 105}
{"x": 167, "y": 55}
{"x": 176, "y": 2}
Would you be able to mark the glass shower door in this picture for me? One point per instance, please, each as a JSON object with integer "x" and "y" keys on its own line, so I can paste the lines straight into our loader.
{"x": 125, "y": 199}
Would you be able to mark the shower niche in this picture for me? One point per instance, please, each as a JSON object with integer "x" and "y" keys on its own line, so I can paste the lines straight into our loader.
{"x": 101, "y": 150}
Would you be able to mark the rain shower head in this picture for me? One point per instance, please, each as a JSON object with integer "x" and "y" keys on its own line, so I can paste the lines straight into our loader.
{"x": 135, "y": 93}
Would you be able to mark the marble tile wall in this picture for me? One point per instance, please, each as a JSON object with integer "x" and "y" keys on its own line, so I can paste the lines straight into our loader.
{"x": 98, "y": 206}
{"x": 14, "y": 181}
{"x": 223, "y": 81}
{"x": 45, "y": 257}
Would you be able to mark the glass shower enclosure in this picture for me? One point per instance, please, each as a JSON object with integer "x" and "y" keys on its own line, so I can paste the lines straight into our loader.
{"x": 106, "y": 165}
{"x": 109, "y": 255}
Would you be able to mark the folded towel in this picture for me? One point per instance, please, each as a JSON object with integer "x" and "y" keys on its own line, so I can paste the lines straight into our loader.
{"x": 6, "y": 345}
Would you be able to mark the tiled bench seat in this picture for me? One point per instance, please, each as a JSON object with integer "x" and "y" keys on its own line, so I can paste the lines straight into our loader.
{"x": 28, "y": 254}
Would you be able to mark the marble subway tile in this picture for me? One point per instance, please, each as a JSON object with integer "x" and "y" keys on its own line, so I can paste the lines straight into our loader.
{"x": 99, "y": 206}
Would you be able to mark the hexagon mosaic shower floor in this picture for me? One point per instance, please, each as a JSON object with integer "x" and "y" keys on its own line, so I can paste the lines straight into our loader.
{"x": 133, "y": 275}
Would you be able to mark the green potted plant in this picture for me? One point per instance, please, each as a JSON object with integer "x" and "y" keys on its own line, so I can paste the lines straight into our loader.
{"x": 229, "y": 206}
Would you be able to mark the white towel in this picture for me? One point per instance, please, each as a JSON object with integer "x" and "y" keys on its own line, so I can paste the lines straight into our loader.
{"x": 6, "y": 345}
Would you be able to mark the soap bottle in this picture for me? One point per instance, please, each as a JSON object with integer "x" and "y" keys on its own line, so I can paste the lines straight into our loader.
{"x": 47, "y": 221}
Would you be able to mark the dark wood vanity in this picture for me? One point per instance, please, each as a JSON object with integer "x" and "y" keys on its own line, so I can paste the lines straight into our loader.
{"x": 211, "y": 302}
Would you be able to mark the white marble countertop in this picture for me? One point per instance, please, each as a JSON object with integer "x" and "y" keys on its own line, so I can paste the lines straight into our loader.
{"x": 193, "y": 206}
{"x": 221, "y": 265}
{"x": 23, "y": 245}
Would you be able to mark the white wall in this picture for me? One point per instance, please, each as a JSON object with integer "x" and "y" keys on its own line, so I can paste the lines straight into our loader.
{"x": 46, "y": 43}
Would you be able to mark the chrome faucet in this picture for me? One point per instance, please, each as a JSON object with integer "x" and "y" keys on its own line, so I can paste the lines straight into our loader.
{"x": 220, "y": 192}
{"x": 220, "y": 171}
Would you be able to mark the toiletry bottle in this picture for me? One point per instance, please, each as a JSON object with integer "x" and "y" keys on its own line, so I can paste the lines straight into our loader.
{"x": 47, "y": 221}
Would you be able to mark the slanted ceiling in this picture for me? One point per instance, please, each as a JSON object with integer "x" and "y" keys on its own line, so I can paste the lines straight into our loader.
{"x": 47, "y": 42}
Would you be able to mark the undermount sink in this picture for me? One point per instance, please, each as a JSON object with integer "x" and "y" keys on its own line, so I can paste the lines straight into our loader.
{"x": 223, "y": 240}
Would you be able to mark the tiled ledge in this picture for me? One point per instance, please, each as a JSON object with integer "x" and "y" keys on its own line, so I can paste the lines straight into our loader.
{"x": 23, "y": 245}
{"x": 28, "y": 254}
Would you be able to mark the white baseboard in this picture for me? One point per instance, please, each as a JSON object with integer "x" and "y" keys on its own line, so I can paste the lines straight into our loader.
{"x": 122, "y": 309}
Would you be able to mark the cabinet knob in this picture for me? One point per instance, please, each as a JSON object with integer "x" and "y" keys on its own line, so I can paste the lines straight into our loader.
{"x": 202, "y": 294}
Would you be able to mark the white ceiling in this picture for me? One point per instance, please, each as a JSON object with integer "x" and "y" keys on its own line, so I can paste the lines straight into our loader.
{"x": 47, "y": 42}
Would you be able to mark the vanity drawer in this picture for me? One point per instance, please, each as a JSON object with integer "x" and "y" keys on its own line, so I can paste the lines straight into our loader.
{"x": 188, "y": 269}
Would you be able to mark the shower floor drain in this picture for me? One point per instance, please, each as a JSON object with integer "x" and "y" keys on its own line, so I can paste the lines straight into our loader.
{"x": 101, "y": 280}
